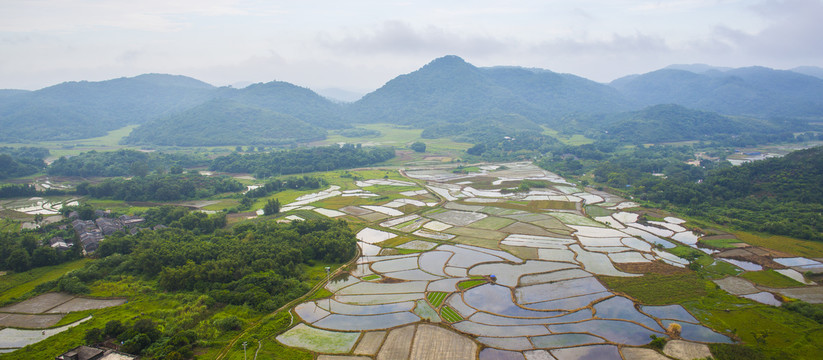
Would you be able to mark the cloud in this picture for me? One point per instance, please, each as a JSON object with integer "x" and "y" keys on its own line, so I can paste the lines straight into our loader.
{"x": 792, "y": 32}
{"x": 616, "y": 45}
{"x": 400, "y": 38}
{"x": 144, "y": 15}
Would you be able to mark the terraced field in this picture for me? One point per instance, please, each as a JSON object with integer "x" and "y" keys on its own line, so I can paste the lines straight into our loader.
{"x": 513, "y": 281}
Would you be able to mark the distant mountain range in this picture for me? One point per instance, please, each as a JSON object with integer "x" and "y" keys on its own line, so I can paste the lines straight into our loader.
{"x": 177, "y": 110}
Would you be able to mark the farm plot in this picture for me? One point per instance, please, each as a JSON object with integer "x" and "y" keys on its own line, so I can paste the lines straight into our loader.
{"x": 549, "y": 304}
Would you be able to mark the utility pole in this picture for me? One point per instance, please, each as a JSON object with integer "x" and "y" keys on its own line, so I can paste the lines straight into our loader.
{"x": 328, "y": 278}
{"x": 244, "y": 350}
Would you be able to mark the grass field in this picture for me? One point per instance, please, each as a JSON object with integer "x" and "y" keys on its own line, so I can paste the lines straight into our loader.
{"x": 15, "y": 285}
{"x": 770, "y": 278}
{"x": 655, "y": 289}
{"x": 574, "y": 140}
{"x": 720, "y": 243}
{"x": 450, "y": 315}
{"x": 783, "y": 243}
{"x": 436, "y": 298}
{"x": 9, "y": 226}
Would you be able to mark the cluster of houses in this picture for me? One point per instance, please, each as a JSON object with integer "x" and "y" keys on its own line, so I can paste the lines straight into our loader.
{"x": 91, "y": 232}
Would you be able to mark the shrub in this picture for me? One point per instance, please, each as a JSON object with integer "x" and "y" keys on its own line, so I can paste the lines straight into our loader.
{"x": 228, "y": 323}
{"x": 657, "y": 342}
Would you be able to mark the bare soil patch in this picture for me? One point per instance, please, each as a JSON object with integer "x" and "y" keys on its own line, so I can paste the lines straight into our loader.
{"x": 433, "y": 342}
{"x": 809, "y": 294}
{"x": 80, "y": 304}
{"x": 355, "y": 210}
{"x": 38, "y": 304}
{"x": 736, "y": 286}
{"x": 747, "y": 254}
{"x": 27, "y": 321}
{"x": 370, "y": 342}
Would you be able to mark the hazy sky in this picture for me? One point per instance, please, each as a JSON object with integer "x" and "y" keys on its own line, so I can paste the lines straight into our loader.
{"x": 360, "y": 45}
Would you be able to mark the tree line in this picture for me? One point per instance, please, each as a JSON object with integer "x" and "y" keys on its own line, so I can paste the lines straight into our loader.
{"x": 298, "y": 161}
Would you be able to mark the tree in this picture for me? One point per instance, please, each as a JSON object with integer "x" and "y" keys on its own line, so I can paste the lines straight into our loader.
{"x": 44, "y": 256}
{"x": 477, "y": 150}
{"x": 94, "y": 336}
{"x": 272, "y": 207}
{"x": 418, "y": 146}
{"x": 19, "y": 260}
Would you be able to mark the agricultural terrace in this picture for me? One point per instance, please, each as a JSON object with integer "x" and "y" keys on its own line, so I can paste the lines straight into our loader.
{"x": 506, "y": 274}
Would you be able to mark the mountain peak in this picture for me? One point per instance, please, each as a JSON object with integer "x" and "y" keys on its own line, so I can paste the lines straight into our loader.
{"x": 447, "y": 62}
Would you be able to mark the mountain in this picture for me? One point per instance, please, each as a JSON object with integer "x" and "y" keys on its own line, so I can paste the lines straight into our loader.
{"x": 753, "y": 91}
{"x": 340, "y": 95}
{"x": 86, "y": 109}
{"x": 666, "y": 123}
{"x": 809, "y": 70}
{"x": 697, "y": 68}
{"x": 451, "y": 90}
{"x": 225, "y": 122}
{"x": 289, "y": 99}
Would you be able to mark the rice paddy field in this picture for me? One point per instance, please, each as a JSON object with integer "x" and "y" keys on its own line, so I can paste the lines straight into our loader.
{"x": 451, "y": 265}
{"x": 535, "y": 274}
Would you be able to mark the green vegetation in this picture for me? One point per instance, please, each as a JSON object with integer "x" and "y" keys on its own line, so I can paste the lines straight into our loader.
{"x": 370, "y": 277}
{"x": 448, "y": 314}
{"x": 418, "y": 146}
{"x": 15, "y": 286}
{"x": 214, "y": 123}
{"x": 814, "y": 312}
{"x": 22, "y": 161}
{"x": 78, "y": 110}
{"x": 468, "y": 284}
{"x": 123, "y": 163}
{"x": 782, "y": 243}
{"x": 436, "y": 298}
{"x": 21, "y": 251}
{"x": 301, "y": 160}
{"x": 656, "y": 289}
{"x": 720, "y": 243}
{"x": 781, "y": 196}
{"x": 667, "y": 123}
{"x": 169, "y": 187}
{"x": 770, "y": 278}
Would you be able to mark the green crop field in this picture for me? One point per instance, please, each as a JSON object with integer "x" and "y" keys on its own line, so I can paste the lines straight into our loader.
{"x": 770, "y": 278}
{"x": 468, "y": 284}
{"x": 450, "y": 315}
{"x": 436, "y": 298}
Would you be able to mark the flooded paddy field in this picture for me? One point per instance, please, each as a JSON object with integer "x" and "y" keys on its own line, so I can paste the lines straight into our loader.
{"x": 501, "y": 274}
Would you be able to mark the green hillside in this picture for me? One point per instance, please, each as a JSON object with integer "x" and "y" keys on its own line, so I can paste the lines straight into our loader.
{"x": 225, "y": 122}
{"x": 752, "y": 91}
{"x": 85, "y": 109}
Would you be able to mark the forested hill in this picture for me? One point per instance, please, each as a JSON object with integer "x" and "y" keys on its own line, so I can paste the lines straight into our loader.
{"x": 289, "y": 99}
{"x": 451, "y": 90}
{"x": 87, "y": 109}
{"x": 447, "y": 91}
{"x": 752, "y": 91}
{"x": 665, "y": 123}
{"x": 796, "y": 177}
{"x": 780, "y": 195}
{"x": 225, "y": 122}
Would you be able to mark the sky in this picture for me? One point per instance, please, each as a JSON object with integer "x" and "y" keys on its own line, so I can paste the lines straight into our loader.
{"x": 360, "y": 45}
